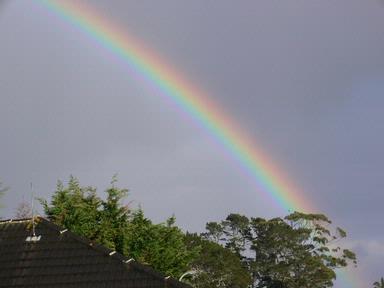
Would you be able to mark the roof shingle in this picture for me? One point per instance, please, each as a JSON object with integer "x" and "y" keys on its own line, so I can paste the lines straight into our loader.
{"x": 63, "y": 259}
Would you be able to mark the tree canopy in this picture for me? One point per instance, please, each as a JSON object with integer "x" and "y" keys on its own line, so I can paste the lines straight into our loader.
{"x": 114, "y": 225}
{"x": 379, "y": 284}
{"x": 162, "y": 246}
{"x": 296, "y": 251}
{"x": 216, "y": 266}
{"x": 299, "y": 250}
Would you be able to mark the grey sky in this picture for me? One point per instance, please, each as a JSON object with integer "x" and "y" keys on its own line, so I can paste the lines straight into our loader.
{"x": 304, "y": 78}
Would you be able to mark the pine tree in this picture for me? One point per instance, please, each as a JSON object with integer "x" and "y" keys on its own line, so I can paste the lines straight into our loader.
{"x": 378, "y": 284}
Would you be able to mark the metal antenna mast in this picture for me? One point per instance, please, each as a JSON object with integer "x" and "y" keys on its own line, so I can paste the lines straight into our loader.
{"x": 33, "y": 211}
{"x": 33, "y": 238}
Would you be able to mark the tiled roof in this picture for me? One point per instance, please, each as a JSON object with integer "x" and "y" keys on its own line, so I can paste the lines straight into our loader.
{"x": 62, "y": 259}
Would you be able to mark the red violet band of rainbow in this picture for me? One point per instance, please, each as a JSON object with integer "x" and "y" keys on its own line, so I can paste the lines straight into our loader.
{"x": 156, "y": 72}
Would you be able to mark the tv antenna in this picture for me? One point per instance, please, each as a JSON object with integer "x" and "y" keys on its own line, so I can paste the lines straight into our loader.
{"x": 33, "y": 238}
{"x": 33, "y": 211}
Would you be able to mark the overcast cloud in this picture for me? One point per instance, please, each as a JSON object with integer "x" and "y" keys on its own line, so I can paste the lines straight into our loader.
{"x": 305, "y": 79}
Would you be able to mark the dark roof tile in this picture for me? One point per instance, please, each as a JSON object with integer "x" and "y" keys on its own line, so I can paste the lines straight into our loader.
{"x": 65, "y": 260}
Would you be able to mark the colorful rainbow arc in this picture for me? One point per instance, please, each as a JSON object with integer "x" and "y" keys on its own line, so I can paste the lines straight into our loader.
{"x": 196, "y": 104}
{"x": 189, "y": 98}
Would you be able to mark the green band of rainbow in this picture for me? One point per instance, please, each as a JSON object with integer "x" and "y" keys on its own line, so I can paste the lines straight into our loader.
{"x": 268, "y": 180}
{"x": 266, "y": 177}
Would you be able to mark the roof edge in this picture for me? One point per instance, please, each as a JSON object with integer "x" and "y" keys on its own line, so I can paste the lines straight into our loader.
{"x": 124, "y": 260}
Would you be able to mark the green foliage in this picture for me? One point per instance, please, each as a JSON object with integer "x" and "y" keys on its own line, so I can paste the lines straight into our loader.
{"x": 160, "y": 245}
{"x": 296, "y": 251}
{"x": 113, "y": 219}
{"x": 83, "y": 212}
{"x": 379, "y": 284}
{"x": 76, "y": 208}
{"x": 216, "y": 266}
{"x": 108, "y": 222}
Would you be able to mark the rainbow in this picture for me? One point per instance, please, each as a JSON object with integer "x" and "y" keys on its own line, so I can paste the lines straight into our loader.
{"x": 158, "y": 74}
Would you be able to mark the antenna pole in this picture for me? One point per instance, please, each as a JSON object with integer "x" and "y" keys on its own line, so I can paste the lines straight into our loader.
{"x": 33, "y": 211}
{"x": 33, "y": 238}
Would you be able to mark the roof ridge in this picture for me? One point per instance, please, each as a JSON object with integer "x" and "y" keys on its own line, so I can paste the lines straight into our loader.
{"x": 20, "y": 220}
{"x": 124, "y": 260}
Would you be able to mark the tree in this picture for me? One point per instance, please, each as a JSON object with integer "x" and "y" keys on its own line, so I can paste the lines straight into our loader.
{"x": 23, "y": 210}
{"x": 299, "y": 250}
{"x": 113, "y": 219}
{"x": 2, "y": 190}
{"x": 112, "y": 224}
{"x": 160, "y": 245}
{"x": 76, "y": 208}
{"x": 216, "y": 266}
{"x": 83, "y": 212}
{"x": 378, "y": 284}
{"x": 296, "y": 251}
